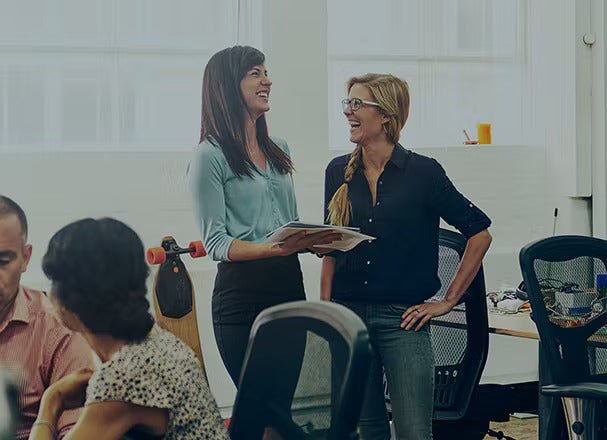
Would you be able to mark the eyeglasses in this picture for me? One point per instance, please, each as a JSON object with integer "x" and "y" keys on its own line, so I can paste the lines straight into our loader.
{"x": 356, "y": 103}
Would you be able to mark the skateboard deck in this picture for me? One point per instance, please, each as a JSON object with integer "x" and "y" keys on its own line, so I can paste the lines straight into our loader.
{"x": 174, "y": 293}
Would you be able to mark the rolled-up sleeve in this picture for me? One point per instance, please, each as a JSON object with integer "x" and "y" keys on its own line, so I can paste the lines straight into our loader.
{"x": 454, "y": 207}
{"x": 206, "y": 182}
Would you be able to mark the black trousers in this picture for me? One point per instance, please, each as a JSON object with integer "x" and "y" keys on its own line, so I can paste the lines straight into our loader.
{"x": 242, "y": 290}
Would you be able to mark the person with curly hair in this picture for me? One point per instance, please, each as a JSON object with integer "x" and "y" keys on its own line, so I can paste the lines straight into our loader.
{"x": 149, "y": 382}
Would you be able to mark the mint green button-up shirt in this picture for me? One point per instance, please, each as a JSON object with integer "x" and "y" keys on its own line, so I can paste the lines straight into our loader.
{"x": 227, "y": 206}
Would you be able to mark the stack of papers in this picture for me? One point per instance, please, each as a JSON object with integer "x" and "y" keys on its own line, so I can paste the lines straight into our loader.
{"x": 350, "y": 236}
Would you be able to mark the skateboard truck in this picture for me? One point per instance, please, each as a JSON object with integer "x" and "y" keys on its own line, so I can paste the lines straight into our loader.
{"x": 158, "y": 255}
{"x": 174, "y": 300}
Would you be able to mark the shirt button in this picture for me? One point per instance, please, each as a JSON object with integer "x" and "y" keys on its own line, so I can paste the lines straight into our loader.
{"x": 381, "y": 182}
{"x": 377, "y": 204}
{"x": 365, "y": 282}
{"x": 369, "y": 241}
{"x": 368, "y": 262}
{"x": 370, "y": 220}
{"x": 471, "y": 205}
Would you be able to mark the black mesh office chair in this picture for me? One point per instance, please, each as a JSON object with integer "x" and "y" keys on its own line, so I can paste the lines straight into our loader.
{"x": 560, "y": 274}
{"x": 460, "y": 341}
{"x": 304, "y": 373}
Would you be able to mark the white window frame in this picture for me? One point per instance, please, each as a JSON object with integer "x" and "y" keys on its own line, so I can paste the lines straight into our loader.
{"x": 111, "y": 71}
{"x": 435, "y": 52}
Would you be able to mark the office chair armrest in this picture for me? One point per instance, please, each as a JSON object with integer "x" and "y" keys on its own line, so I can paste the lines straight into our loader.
{"x": 583, "y": 390}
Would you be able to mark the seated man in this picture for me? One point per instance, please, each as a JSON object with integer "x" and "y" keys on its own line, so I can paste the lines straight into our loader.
{"x": 33, "y": 341}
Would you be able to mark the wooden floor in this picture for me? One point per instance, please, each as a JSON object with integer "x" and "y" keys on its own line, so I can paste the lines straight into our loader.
{"x": 519, "y": 429}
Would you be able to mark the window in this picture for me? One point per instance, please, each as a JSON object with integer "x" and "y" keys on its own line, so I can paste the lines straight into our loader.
{"x": 110, "y": 74}
{"x": 465, "y": 62}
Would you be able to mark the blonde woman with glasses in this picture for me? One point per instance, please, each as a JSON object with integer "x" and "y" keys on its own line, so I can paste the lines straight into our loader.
{"x": 399, "y": 197}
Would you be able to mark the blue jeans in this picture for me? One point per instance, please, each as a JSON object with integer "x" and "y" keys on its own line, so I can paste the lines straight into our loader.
{"x": 408, "y": 361}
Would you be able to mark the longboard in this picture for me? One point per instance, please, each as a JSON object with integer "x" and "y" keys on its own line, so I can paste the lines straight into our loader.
{"x": 174, "y": 294}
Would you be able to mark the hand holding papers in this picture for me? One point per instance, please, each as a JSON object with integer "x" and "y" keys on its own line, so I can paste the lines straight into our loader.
{"x": 350, "y": 237}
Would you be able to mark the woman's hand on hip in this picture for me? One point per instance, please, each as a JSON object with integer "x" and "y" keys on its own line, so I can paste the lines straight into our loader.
{"x": 418, "y": 315}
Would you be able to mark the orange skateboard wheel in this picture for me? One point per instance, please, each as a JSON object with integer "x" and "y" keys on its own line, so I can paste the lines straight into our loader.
{"x": 156, "y": 255}
{"x": 199, "y": 250}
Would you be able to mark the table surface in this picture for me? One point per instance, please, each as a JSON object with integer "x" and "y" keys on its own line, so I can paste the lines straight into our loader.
{"x": 515, "y": 324}
{"x": 510, "y": 324}
{"x": 521, "y": 325}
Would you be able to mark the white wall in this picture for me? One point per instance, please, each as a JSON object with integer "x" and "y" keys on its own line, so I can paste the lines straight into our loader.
{"x": 518, "y": 186}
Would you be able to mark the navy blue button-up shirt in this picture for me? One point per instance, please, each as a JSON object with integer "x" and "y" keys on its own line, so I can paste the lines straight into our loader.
{"x": 401, "y": 264}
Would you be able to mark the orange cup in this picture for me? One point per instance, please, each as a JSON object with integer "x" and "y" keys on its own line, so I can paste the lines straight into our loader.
{"x": 484, "y": 133}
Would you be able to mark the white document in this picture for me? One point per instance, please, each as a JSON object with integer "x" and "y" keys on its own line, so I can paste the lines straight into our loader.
{"x": 350, "y": 236}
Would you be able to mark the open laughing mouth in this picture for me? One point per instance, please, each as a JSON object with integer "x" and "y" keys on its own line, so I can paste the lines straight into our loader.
{"x": 264, "y": 94}
{"x": 353, "y": 124}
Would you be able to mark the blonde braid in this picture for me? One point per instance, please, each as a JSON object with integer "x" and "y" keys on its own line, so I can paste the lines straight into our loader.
{"x": 340, "y": 205}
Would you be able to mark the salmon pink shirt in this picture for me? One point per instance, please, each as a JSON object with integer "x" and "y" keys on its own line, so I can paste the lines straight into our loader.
{"x": 40, "y": 350}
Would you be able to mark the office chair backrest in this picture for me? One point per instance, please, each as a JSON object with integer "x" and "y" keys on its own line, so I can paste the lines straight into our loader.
{"x": 304, "y": 373}
{"x": 570, "y": 314}
{"x": 460, "y": 339}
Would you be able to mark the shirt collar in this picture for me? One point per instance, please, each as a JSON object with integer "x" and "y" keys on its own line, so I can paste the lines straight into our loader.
{"x": 19, "y": 311}
{"x": 399, "y": 156}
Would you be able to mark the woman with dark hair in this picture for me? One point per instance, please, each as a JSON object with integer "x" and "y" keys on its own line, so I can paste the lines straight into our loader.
{"x": 399, "y": 197}
{"x": 149, "y": 384}
{"x": 242, "y": 188}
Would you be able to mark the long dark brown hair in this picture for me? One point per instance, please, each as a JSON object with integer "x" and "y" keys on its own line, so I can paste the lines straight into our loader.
{"x": 224, "y": 110}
